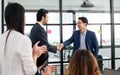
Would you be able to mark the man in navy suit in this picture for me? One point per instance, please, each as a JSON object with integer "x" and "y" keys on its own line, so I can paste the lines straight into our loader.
{"x": 83, "y": 38}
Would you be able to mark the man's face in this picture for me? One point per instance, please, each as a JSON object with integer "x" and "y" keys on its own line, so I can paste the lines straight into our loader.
{"x": 45, "y": 19}
{"x": 81, "y": 25}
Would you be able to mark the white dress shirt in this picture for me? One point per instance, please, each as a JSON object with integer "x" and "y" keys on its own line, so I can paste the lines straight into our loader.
{"x": 82, "y": 40}
{"x": 17, "y": 60}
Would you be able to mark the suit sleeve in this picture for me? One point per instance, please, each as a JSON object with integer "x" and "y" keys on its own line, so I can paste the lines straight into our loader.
{"x": 69, "y": 41}
{"x": 95, "y": 45}
{"x": 41, "y": 36}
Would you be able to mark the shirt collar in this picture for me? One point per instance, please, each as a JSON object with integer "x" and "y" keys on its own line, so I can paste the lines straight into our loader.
{"x": 84, "y": 32}
{"x": 41, "y": 24}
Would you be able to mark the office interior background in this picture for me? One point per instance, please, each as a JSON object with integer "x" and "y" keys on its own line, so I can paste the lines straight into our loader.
{"x": 103, "y": 17}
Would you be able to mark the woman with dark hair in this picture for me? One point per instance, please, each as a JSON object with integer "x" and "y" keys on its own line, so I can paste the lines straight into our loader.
{"x": 16, "y": 57}
{"x": 83, "y": 63}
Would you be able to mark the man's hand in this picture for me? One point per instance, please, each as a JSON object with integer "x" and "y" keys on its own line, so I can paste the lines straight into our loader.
{"x": 59, "y": 47}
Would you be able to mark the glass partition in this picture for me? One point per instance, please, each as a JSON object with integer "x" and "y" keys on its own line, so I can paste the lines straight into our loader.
{"x": 98, "y": 18}
{"x": 117, "y": 32}
{"x": 99, "y": 22}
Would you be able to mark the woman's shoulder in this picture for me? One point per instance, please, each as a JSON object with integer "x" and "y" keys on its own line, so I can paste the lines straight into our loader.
{"x": 19, "y": 36}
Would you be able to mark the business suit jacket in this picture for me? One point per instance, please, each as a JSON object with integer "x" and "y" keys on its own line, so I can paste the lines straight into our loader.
{"x": 90, "y": 40}
{"x": 39, "y": 34}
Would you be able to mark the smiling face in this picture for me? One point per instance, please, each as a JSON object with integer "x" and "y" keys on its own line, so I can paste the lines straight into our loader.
{"x": 45, "y": 19}
{"x": 81, "y": 25}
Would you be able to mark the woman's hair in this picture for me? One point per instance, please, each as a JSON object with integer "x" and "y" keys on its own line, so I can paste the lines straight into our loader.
{"x": 83, "y": 63}
{"x": 14, "y": 17}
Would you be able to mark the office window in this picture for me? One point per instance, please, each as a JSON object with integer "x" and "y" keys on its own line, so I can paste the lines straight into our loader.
{"x": 27, "y": 30}
{"x": 53, "y": 18}
{"x": 117, "y": 17}
{"x": 106, "y": 35}
{"x": 117, "y": 33}
{"x": 95, "y": 17}
{"x": 53, "y": 33}
{"x": 67, "y": 32}
{"x": 30, "y": 17}
{"x": 67, "y": 18}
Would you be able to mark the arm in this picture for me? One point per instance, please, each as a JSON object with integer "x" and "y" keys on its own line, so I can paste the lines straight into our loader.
{"x": 24, "y": 50}
{"x": 69, "y": 41}
{"x": 95, "y": 45}
{"x": 41, "y": 36}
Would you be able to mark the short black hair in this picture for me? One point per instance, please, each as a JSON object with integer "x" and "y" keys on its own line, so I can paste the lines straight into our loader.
{"x": 14, "y": 17}
{"x": 41, "y": 59}
{"x": 40, "y": 13}
{"x": 84, "y": 19}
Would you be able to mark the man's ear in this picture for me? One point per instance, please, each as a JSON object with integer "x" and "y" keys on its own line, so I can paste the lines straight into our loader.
{"x": 43, "y": 17}
{"x": 86, "y": 24}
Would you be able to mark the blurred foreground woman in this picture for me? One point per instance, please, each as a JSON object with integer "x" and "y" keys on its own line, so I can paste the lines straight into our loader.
{"x": 83, "y": 63}
{"x": 16, "y": 54}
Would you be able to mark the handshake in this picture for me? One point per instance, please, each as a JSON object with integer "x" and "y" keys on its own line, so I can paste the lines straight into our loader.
{"x": 59, "y": 47}
{"x": 38, "y": 50}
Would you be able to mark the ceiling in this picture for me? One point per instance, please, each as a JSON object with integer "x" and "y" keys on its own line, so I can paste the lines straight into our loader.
{"x": 100, "y": 5}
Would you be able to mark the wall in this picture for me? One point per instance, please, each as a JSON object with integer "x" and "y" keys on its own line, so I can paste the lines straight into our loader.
{"x": 67, "y": 4}
{"x": 0, "y": 26}
{"x": 0, "y": 16}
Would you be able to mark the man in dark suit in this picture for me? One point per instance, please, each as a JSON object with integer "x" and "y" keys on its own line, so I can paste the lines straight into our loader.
{"x": 38, "y": 32}
{"x": 83, "y": 38}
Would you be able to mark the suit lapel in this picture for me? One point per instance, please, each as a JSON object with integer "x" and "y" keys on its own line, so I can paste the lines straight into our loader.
{"x": 42, "y": 29}
{"x": 86, "y": 38}
{"x": 78, "y": 38}
{"x": 40, "y": 26}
